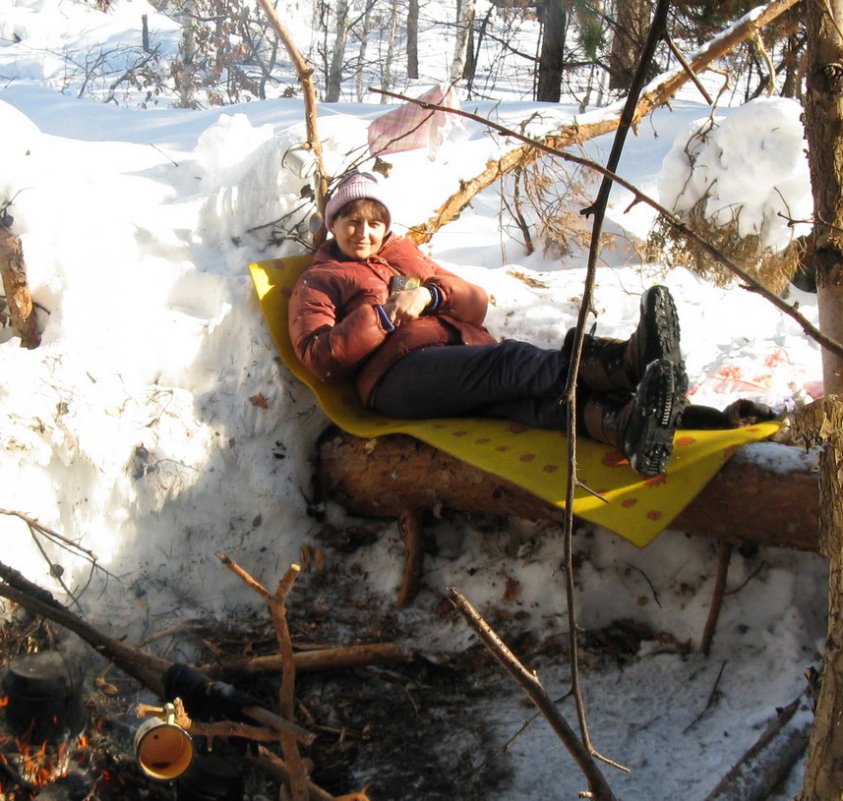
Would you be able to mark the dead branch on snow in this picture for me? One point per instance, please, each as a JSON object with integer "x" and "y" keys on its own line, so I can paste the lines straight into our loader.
{"x": 530, "y": 683}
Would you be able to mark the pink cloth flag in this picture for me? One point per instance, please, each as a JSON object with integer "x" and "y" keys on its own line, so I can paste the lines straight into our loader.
{"x": 410, "y": 126}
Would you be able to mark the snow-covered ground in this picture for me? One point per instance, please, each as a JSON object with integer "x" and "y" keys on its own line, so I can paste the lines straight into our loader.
{"x": 155, "y": 427}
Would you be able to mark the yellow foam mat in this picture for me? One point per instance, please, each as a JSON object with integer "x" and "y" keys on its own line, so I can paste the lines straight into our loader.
{"x": 635, "y": 507}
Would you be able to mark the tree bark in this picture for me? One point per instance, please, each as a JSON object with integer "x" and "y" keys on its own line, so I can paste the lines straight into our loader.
{"x": 793, "y": 63}
{"x": 823, "y": 422}
{"x": 13, "y": 272}
{"x": 334, "y": 82}
{"x": 630, "y": 33}
{"x": 312, "y": 661}
{"x": 410, "y": 526}
{"x": 465, "y": 19}
{"x": 186, "y": 76}
{"x": 387, "y": 476}
{"x": 552, "y": 57}
{"x": 824, "y": 131}
{"x": 361, "y": 80}
{"x": 392, "y": 34}
{"x": 413, "y": 40}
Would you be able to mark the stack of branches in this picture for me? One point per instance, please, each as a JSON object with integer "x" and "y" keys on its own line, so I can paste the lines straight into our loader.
{"x": 722, "y": 226}
{"x": 256, "y": 722}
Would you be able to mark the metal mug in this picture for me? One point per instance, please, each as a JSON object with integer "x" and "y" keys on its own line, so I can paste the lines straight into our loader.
{"x": 299, "y": 160}
{"x": 163, "y": 749}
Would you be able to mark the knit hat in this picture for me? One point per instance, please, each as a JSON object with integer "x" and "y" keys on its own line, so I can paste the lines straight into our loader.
{"x": 355, "y": 186}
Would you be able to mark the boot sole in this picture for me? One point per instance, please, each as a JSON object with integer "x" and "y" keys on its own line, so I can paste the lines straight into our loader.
{"x": 658, "y": 310}
{"x": 648, "y": 439}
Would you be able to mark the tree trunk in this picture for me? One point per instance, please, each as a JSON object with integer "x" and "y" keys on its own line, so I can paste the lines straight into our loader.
{"x": 362, "y": 84}
{"x": 552, "y": 57}
{"x": 631, "y": 25}
{"x": 413, "y": 40}
{"x": 334, "y": 82}
{"x": 475, "y": 44}
{"x": 824, "y": 131}
{"x": 386, "y": 67}
{"x": 824, "y": 770}
{"x": 470, "y": 68}
{"x": 465, "y": 19}
{"x": 793, "y": 58}
{"x": 186, "y": 75}
{"x": 13, "y": 272}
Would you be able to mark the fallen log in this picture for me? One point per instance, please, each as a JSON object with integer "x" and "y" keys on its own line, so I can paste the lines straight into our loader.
{"x": 766, "y": 494}
{"x": 769, "y": 761}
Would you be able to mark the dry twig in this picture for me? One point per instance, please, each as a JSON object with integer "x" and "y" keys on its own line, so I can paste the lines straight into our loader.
{"x": 724, "y": 555}
{"x": 298, "y": 778}
{"x": 38, "y": 531}
{"x": 305, "y": 75}
{"x": 530, "y": 683}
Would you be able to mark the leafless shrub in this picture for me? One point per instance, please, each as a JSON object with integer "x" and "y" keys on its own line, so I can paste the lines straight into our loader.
{"x": 547, "y": 197}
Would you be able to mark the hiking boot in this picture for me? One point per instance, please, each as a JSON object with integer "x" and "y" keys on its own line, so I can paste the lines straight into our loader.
{"x": 617, "y": 364}
{"x": 640, "y": 426}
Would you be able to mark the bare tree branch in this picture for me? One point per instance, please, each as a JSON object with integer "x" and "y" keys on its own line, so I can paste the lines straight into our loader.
{"x": 305, "y": 75}
{"x": 598, "y": 208}
{"x": 530, "y": 683}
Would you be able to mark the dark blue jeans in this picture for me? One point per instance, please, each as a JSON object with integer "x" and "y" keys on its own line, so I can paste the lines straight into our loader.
{"x": 510, "y": 380}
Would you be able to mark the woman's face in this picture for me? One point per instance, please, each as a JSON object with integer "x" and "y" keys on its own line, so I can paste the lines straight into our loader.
{"x": 359, "y": 232}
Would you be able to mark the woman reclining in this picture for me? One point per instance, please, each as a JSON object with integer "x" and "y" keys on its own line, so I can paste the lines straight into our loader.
{"x": 373, "y": 307}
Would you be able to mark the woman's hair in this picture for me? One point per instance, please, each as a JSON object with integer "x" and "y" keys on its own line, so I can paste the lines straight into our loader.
{"x": 367, "y": 206}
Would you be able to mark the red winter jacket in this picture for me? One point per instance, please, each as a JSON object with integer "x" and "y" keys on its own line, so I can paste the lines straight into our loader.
{"x": 336, "y": 329}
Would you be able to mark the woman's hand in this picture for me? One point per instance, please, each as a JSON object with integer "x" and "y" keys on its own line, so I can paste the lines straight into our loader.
{"x": 407, "y": 305}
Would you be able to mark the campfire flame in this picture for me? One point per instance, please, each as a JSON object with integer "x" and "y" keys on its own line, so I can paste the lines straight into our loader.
{"x": 43, "y": 764}
{"x": 36, "y": 765}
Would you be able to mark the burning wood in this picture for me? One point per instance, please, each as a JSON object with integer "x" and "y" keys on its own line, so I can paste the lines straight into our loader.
{"x": 215, "y": 717}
